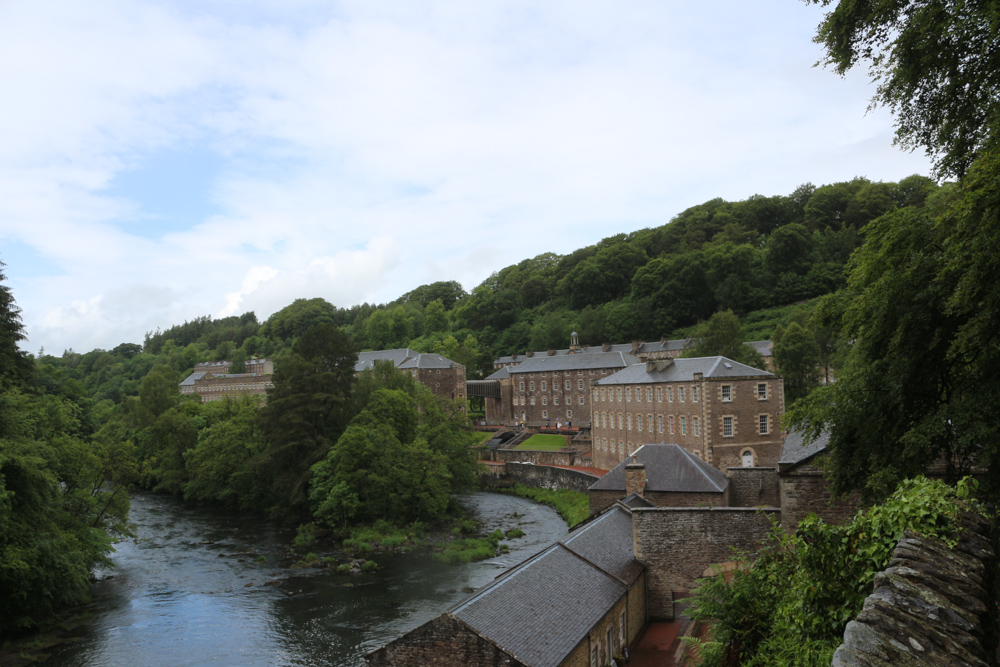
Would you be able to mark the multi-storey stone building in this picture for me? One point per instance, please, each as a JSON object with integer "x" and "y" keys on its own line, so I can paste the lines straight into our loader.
{"x": 212, "y": 381}
{"x": 720, "y": 410}
{"x": 444, "y": 377}
{"x": 552, "y": 387}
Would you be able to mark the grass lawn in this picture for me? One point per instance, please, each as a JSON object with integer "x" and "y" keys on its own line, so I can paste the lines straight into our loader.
{"x": 480, "y": 437}
{"x": 543, "y": 441}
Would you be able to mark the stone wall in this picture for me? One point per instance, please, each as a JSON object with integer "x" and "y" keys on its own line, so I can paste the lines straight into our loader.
{"x": 931, "y": 606}
{"x": 443, "y": 641}
{"x": 677, "y": 545}
{"x": 547, "y": 477}
{"x": 636, "y": 609}
{"x": 538, "y": 457}
{"x": 805, "y": 489}
{"x": 754, "y": 487}
{"x": 602, "y": 499}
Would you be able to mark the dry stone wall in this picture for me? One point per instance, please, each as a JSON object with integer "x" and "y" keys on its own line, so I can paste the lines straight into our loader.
{"x": 932, "y": 606}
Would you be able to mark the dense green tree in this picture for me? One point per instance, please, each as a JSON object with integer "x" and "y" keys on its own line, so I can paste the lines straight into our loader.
{"x": 307, "y": 409}
{"x": 797, "y": 358}
{"x": 435, "y": 317}
{"x": 936, "y": 65}
{"x": 723, "y": 335}
{"x": 293, "y": 320}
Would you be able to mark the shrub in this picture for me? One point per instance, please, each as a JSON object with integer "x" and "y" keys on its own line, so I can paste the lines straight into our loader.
{"x": 514, "y": 533}
{"x": 369, "y": 566}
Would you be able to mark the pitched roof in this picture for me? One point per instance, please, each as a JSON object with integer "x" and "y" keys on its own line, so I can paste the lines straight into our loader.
{"x": 427, "y": 361}
{"x": 367, "y": 360}
{"x": 634, "y": 500}
{"x": 607, "y": 542}
{"x": 762, "y": 346}
{"x": 682, "y": 370}
{"x": 574, "y": 362}
{"x": 669, "y": 468}
{"x": 796, "y": 449}
{"x": 190, "y": 379}
{"x": 541, "y": 609}
{"x": 500, "y": 374}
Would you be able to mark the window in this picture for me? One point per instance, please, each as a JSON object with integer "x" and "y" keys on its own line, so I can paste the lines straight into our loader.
{"x": 659, "y": 423}
{"x": 608, "y": 637}
{"x": 628, "y": 394}
{"x": 727, "y": 393}
{"x": 638, "y": 422}
{"x": 605, "y": 444}
{"x": 593, "y": 655}
{"x": 621, "y": 448}
{"x": 638, "y": 394}
{"x": 621, "y": 630}
{"x": 680, "y": 394}
{"x": 604, "y": 396}
{"x": 569, "y": 384}
{"x": 543, "y": 385}
{"x": 541, "y": 375}
{"x": 523, "y": 416}
{"x": 522, "y": 400}
{"x": 619, "y": 394}
{"x": 581, "y": 399}
{"x": 684, "y": 425}
{"x": 531, "y": 386}
{"x": 762, "y": 391}
{"x": 670, "y": 424}
{"x": 578, "y": 373}
{"x": 649, "y": 421}
{"x": 545, "y": 414}
{"x": 555, "y": 400}
{"x": 694, "y": 424}
{"x": 764, "y": 425}
{"x": 694, "y": 394}
{"x": 612, "y": 421}
{"x": 532, "y": 400}
{"x": 579, "y": 384}
{"x": 628, "y": 421}
{"x": 649, "y": 394}
{"x": 569, "y": 414}
{"x": 670, "y": 394}
{"x": 604, "y": 420}
{"x": 545, "y": 400}
{"x": 604, "y": 371}
{"x": 748, "y": 459}
{"x": 619, "y": 421}
{"x": 659, "y": 395}
{"x": 727, "y": 427}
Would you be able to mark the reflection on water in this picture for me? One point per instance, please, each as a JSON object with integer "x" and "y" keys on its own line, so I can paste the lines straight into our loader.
{"x": 190, "y": 591}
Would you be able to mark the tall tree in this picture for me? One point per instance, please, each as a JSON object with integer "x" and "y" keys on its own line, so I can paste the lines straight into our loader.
{"x": 936, "y": 65}
{"x": 307, "y": 409}
{"x": 723, "y": 335}
{"x": 15, "y": 365}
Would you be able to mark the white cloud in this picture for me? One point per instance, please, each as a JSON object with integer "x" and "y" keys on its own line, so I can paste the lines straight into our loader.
{"x": 368, "y": 148}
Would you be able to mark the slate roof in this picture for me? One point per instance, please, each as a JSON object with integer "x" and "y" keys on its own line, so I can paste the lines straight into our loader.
{"x": 501, "y": 374}
{"x": 540, "y": 610}
{"x": 797, "y": 450}
{"x": 367, "y": 360}
{"x": 190, "y": 379}
{"x": 762, "y": 346}
{"x": 606, "y": 541}
{"x": 669, "y": 468}
{"x": 427, "y": 361}
{"x": 574, "y": 362}
{"x": 635, "y": 500}
{"x": 683, "y": 370}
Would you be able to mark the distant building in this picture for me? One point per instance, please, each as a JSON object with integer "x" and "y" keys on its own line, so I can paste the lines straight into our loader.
{"x": 444, "y": 377}
{"x": 551, "y": 387}
{"x": 212, "y": 381}
{"x": 718, "y": 409}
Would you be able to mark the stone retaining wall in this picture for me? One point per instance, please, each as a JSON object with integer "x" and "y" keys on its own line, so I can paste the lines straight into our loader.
{"x": 754, "y": 487}
{"x": 538, "y": 457}
{"x": 546, "y": 477}
{"x": 932, "y": 606}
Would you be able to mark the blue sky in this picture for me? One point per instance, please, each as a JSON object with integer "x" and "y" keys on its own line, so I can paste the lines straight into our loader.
{"x": 160, "y": 161}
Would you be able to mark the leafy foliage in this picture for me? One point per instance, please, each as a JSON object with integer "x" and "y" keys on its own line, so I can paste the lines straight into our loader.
{"x": 790, "y": 606}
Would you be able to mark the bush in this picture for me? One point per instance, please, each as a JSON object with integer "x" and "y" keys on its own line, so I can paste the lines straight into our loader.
{"x": 369, "y": 566}
{"x": 514, "y": 533}
{"x": 790, "y": 606}
{"x": 572, "y": 506}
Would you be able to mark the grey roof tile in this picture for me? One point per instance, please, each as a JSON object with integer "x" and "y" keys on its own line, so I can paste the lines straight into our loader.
{"x": 574, "y": 362}
{"x": 367, "y": 360}
{"x": 796, "y": 449}
{"x": 190, "y": 379}
{"x": 500, "y": 374}
{"x": 424, "y": 360}
{"x": 669, "y": 468}
{"x": 683, "y": 370}
{"x": 606, "y": 541}
{"x": 540, "y": 610}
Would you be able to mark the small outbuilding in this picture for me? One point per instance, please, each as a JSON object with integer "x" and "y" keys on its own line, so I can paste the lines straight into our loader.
{"x": 664, "y": 475}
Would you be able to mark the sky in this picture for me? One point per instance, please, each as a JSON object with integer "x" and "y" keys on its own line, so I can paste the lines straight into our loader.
{"x": 161, "y": 161}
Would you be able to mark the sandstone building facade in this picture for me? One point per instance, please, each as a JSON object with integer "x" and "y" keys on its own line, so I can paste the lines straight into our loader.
{"x": 212, "y": 381}
{"x": 444, "y": 377}
{"x": 721, "y": 411}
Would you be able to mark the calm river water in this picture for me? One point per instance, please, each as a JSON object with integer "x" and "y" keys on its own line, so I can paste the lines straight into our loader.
{"x": 189, "y": 591}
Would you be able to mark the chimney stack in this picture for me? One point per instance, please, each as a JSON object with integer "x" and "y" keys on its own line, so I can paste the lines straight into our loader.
{"x": 635, "y": 478}
{"x": 656, "y": 365}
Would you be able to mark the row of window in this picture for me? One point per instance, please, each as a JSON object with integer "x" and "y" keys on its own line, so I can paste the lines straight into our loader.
{"x": 530, "y": 400}
{"x": 555, "y": 386}
{"x": 612, "y": 644}
{"x": 727, "y": 393}
{"x": 555, "y": 374}
{"x": 672, "y": 424}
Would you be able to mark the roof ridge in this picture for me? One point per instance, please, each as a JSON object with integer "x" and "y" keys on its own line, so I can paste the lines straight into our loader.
{"x": 697, "y": 464}
{"x": 718, "y": 360}
{"x": 592, "y": 563}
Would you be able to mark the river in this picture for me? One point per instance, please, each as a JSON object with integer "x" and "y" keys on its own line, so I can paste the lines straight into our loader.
{"x": 190, "y": 590}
